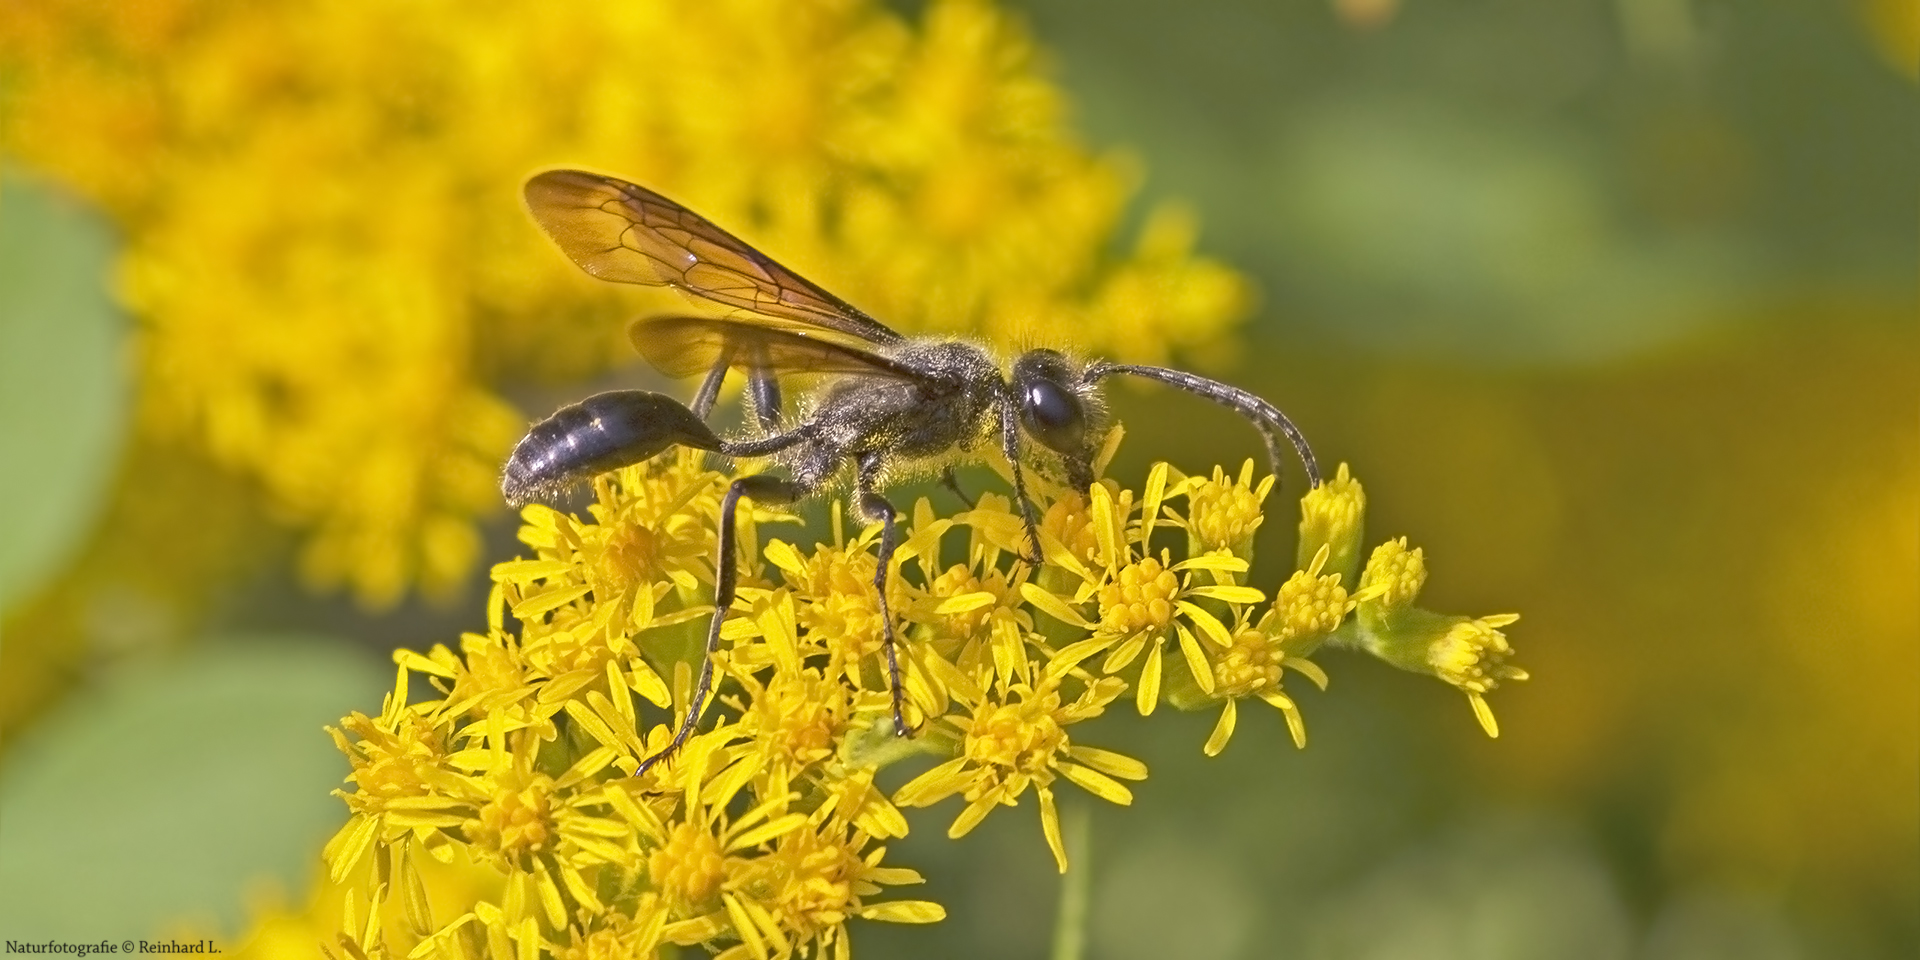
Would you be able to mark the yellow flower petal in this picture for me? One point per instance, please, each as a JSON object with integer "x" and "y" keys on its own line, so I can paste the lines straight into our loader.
{"x": 1210, "y": 626}
{"x": 1196, "y": 658}
{"x": 419, "y": 664}
{"x": 768, "y": 831}
{"x": 1222, "y": 730}
{"x": 1050, "y": 825}
{"x": 1296, "y": 725}
{"x": 743, "y": 925}
{"x": 972, "y": 815}
{"x": 1110, "y": 763}
{"x": 1484, "y": 714}
{"x": 1229, "y": 593}
{"x": 547, "y": 601}
{"x": 1052, "y": 606}
{"x": 962, "y": 603}
{"x": 935, "y": 785}
{"x": 1146, "y": 696}
{"x": 905, "y": 911}
{"x": 1125, "y": 653}
{"x": 1097, "y": 783}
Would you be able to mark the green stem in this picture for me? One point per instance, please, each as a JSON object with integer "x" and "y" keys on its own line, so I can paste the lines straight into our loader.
{"x": 1070, "y": 928}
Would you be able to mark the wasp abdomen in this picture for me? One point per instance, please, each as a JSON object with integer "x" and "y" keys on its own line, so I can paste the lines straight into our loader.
{"x": 603, "y": 432}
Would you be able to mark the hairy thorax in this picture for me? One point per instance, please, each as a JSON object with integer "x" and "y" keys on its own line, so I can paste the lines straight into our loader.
{"x": 945, "y": 410}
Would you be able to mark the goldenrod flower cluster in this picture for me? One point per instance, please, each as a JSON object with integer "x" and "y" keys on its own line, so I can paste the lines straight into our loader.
{"x": 499, "y": 814}
{"x": 328, "y": 258}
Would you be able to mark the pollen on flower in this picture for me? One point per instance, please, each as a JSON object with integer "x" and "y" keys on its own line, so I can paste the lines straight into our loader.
{"x": 1308, "y": 607}
{"x": 1473, "y": 656}
{"x": 841, "y": 605}
{"x": 814, "y": 880}
{"x": 963, "y": 580}
{"x": 492, "y": 671}
{"x": 1332, "y": 515}
{"x": 515, "y": 822}
{"x": 628, "y": 557}
{"x": 1068, "y": 521}
{"x": 1224, "y": 513}
{"x": 389, "y": 764}
{"x": 1469, "y": 653}
{"x": 1010, "y": 744}
{"x": 1396, "y": 573}
{"x": 1249, "y": 667}
{"x": 623, "y": 937}
{"x": 690, "y": 865}
{"x": 1139, "y": 599}
{"x": 1015, "y": 737}
{"x": 799, "y": 718}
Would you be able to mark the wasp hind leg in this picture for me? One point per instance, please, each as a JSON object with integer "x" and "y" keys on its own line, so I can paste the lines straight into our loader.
{"x": 873, "y": 506}
{"x": 764, "y": 489}
{"x": 764, "y": 387}
{"x": 763, "y": 391}
{"x": 709, "y": 391}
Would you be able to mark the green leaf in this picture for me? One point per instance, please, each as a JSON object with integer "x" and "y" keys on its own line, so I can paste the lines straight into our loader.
{"x": 63, "y": 386}
{"x": 168, "y": 793}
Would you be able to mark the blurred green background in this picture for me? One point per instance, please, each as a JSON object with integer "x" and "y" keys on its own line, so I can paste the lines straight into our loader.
{"x": 1610, "y": 303}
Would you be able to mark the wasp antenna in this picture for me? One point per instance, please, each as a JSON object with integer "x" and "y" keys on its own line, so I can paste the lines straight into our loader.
{"x": 1264, "y": 416}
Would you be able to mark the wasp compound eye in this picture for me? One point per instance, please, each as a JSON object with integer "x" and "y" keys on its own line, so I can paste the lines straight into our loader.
{"x": 1052, "y": 415}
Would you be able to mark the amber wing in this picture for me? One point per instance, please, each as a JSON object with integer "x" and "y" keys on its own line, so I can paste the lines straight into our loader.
{"x": 688, "y": 346}
{"x": 626, "y": 233}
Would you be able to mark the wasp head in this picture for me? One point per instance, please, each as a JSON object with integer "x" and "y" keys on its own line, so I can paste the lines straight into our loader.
{"x": 1060, "y": 409}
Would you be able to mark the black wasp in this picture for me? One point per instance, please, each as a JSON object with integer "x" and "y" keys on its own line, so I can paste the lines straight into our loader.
{"x": 884, "y": 398}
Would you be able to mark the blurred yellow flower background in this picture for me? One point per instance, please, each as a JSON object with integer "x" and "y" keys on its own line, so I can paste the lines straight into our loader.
{"x": 333, "y": 272}
{"x": 1610, "y": 302}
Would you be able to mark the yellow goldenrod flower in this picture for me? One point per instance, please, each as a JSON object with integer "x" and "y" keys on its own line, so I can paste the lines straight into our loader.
{"x": 762, "y": 837}
{"x": 1472, "y": 656}
{"x": 1397, "y": 575}
{"x": 1333, "y": 515}
{"x": 1305, "y": 611}
{"x": 1019, "y": 740}
{"x": 1310, "y": 606}
{"x": 1469, "y": 653}
{"x": 331, "y": 269}
{"x": 1144, "y": 599}
{"x": 1224, "y": 514}
{"x": 837, "y": 604}
{"x": 799, "y": 897}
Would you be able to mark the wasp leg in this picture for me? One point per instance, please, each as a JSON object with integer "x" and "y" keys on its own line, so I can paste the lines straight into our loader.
{"x": 764, "y": 489}
{"x": 710, "y": 387}
{"x": 873, "y": 506}
{"x": 1010, "y": 443}
{"x": 1264, "y": 416}
{"x": 764, "y": 388}
{"x": 951, "y": 482}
